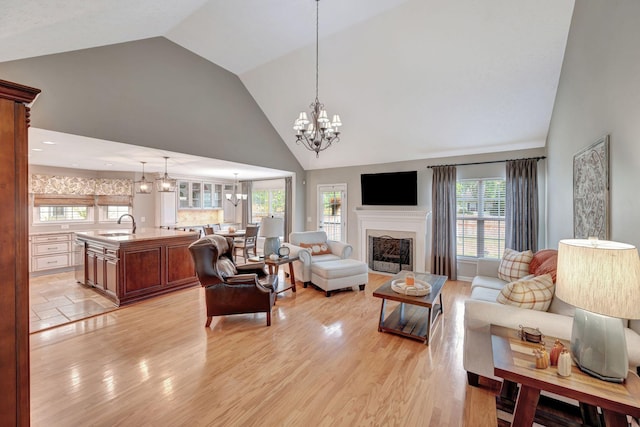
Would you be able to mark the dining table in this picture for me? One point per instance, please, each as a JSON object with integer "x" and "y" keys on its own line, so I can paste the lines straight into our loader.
{"x": 234, "y": 234}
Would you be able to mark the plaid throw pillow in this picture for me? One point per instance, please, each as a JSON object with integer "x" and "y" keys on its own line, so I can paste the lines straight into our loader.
{"x": 535, "y": 293}
{"x": 514, "y": 265}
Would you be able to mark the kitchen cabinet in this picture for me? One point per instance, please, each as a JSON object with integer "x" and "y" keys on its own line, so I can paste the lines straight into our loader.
{"x": 211, "y": 195}
{"x": 199, "y": 195}
{"x": 166, "y": 209}
{"x": 102, "y": 268}
{"x": 51, "y": 251}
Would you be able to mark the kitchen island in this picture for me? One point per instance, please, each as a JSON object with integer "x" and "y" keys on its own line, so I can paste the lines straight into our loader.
{"x": 129, "y": 267}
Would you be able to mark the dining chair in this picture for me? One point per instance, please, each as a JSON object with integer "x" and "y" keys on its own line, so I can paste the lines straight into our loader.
{"x": 248, "y": 244}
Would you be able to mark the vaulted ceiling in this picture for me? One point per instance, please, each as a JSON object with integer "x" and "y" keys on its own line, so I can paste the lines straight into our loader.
{"x": 411, "y": 79}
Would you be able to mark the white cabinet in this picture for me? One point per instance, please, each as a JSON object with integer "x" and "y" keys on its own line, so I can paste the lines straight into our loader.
{"x": 50, "y": 251}
{"x": 166, "y": 209}
{"x": 199, "y": 195}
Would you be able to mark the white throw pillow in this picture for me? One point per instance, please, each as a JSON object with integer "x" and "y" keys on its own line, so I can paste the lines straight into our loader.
{"x": 514, "y": 265}
{"x": 535, "y": 293}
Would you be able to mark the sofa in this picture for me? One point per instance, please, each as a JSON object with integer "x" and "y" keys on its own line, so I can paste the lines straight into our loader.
{"x": 482, "y": 309}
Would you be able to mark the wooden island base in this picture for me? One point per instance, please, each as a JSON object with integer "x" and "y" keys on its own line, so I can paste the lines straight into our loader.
{"x": 132, "y": 267}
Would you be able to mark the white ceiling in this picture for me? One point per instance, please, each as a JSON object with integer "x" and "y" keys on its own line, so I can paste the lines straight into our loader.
{"x": 411, "y": 79}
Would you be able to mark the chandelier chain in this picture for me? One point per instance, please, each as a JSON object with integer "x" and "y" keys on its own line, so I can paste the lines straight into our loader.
{"x": 317, "y": 46}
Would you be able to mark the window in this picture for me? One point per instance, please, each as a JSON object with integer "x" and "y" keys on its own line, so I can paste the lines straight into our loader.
{"x": 267, "y": 202}
{"x": 480, "y": 207}
{"x": 112, "y": 213}
{"x": 62, "y": 213}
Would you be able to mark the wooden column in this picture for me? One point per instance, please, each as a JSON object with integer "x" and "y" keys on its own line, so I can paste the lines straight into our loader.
{"x": 14, "y": 253}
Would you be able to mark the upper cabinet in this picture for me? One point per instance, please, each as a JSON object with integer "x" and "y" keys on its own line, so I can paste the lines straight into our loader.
{"x": 199, "y": 195}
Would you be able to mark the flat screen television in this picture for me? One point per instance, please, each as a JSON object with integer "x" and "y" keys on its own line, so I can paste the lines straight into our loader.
{"x": 390, "y": 189}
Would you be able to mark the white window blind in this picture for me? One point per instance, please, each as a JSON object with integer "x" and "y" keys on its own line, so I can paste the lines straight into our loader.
{"x": 480, "y": 207}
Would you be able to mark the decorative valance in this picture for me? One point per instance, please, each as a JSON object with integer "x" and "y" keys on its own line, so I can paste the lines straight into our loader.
{"x": 113, "y": 187}
{"x": 75, "y": 185}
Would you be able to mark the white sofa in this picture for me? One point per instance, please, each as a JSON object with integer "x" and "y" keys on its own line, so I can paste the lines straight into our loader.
{"x": 302, "y": 268}
{"x": 481, "y": 310}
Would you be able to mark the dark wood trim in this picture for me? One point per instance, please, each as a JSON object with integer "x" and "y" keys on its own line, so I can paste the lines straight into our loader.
{"x": 14, "y": 257}
{"x": 17, "y": 92}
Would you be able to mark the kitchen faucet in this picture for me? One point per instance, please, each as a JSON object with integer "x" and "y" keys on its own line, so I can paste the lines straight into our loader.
{"x": 133, "y": 220}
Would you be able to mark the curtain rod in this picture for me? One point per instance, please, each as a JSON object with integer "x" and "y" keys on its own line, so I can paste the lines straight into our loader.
{"x": 487, "y": 162}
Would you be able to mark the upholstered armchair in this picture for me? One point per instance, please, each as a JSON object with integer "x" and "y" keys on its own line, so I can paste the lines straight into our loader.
{"x": 231, "y": 288}
{"x": 313, "y": 247}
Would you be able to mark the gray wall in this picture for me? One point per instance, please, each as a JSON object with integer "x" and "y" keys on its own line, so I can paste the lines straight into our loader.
{"x": 351, "y": 176}
{"x": 157, "y": 94}
{"x": 598, "y": 94}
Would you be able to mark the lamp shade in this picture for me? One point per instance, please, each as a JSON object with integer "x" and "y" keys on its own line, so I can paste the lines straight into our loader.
{"x": 599, "y": 276}
{"x": 271, "y": 227}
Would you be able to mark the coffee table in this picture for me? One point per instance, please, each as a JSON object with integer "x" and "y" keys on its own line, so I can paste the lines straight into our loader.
{"x": 514, "y": 361}
{"x": 415, "y": 316}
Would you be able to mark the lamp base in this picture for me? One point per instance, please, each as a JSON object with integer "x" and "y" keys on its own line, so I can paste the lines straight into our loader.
{"x": 599, "y": 346}
{"x": 271, "y": 246}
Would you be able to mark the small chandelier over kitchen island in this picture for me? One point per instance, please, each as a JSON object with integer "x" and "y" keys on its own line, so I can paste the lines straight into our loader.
{"x": 320, "y": 133}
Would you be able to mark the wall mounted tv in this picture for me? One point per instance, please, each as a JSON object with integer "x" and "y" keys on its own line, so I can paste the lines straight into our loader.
{"x": 390, "y": 189}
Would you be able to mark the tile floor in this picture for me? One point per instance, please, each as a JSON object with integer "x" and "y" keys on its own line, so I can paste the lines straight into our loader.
{"x": 56, "y": 299}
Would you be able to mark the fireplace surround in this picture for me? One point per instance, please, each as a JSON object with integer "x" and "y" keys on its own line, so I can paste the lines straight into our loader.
{"x": 388, "y": 221}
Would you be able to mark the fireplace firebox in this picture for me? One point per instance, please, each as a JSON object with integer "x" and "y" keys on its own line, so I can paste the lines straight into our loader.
{"x": 390, "y": 255}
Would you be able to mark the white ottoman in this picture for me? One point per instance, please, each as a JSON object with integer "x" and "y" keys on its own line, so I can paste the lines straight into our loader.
{"x": 339, "y": 274}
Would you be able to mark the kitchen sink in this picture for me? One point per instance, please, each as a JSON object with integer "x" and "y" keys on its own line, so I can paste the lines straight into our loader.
{"x": 114, "y": 234}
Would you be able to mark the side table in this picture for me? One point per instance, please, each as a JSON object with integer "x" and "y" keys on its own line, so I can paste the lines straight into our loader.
{"x": 274, "y": 266}
{"x": 513, "y": 360}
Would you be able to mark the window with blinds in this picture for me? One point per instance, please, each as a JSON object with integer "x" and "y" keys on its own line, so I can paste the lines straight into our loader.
{"x": 480, "y": 206}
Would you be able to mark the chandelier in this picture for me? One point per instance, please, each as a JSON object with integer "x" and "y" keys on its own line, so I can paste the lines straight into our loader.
{"x": 318, "y": 133}
{"x": 235, "y": 197}
{"x": 143, "y": 186}
{"x": 165, "y": 184}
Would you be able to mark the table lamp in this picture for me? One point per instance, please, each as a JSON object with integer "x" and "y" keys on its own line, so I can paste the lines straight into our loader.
{"x": 602, "y": 280}
{"x": 271, "y": 228}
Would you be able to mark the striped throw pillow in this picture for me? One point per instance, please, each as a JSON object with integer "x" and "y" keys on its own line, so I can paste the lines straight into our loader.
{"x": 535, "y": 293}
{"x": 514, "y": 265}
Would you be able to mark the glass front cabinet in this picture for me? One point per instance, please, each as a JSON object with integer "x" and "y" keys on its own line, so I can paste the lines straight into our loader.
{"x": 199, "y": 195}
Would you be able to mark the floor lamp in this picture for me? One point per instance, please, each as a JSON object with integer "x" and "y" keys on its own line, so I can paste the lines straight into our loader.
{"x": 602, "y": 280}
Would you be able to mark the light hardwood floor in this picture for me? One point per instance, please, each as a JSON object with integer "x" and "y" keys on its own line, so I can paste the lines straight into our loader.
{"x": 322, "y": 362}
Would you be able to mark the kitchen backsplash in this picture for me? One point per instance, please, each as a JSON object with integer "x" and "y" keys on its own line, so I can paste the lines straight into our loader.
{"x": 199, "y": 217}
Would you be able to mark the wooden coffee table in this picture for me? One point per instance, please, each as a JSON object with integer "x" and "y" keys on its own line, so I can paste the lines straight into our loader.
{"x": 415, "y": 316}
{"x": 514, "y": 361}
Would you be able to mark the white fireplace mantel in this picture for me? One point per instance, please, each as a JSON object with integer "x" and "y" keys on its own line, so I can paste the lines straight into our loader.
{"x": 415, "y": 220}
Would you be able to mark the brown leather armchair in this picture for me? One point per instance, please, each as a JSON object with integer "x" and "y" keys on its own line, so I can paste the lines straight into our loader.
{"x": 231, "y": 288}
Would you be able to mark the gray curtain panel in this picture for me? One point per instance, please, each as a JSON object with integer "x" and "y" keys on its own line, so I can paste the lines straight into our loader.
{"x": 443, "y": 243}
{"x": 246, "y": 205}
{"x": 521, "y": 214}
{"x": 288, "y": 207}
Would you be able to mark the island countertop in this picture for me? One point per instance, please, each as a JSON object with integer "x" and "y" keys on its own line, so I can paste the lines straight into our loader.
{"x": 125, "y": 235}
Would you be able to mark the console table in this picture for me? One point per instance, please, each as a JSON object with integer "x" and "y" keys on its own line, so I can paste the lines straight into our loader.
{"x": 513, "y": 360}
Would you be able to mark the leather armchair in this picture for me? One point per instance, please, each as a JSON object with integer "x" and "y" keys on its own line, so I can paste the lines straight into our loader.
{"x": 231, "y": 288}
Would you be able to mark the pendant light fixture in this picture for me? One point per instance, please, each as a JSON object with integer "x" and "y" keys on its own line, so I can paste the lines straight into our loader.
{"x": 235, "y": 197}
{"x": 143, "y": 186}
{"x": 165, "y": 184}
{"x": 320, "y": 133}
